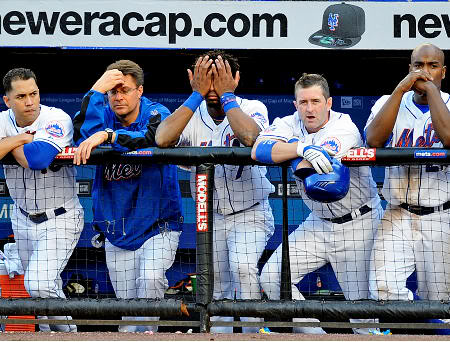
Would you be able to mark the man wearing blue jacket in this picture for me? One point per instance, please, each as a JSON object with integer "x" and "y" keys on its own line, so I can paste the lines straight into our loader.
{"x": 137, "y": 207}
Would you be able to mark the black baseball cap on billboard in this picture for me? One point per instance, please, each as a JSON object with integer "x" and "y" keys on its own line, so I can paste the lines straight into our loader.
{"x": 342, "y": 27}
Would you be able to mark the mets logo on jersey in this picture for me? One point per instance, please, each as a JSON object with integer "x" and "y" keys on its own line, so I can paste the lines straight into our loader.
{"x": 332, "y": 144}
{"x": 55, "y": 129}
{"x": 333, "y": 21}
{"x": 259, "y": 117}
{"x": 270, "y": 129}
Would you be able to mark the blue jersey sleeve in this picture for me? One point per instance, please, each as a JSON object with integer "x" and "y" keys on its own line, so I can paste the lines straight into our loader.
{"x": 127, "y": 140}
{"x": 91, "y": 118}
{"x": 39, "y": 154}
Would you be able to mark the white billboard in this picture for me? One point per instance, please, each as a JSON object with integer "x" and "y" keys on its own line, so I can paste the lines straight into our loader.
{"x": 230, "y": 24}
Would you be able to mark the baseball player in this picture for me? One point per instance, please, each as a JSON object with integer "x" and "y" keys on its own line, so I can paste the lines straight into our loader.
{"x": 414, "y": 231}
{"x": 243, "y": 221}
{"x": 340, "y": 232}
{"x": 137, "y": 207}
{"x": 47, "y": 218}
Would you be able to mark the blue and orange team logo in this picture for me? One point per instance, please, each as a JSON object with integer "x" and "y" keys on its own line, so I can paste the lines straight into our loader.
{"x": 332, "y": 144}
{"x": 333, "y": 21}
{"x": 259, "y": 117}
{"x": 55, "y": 129}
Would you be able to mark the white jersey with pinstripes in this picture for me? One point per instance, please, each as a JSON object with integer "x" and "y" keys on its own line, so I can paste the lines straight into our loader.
{"x": 35, "y": 190}
{"x": 422, "y": 185}
{"x": 236, "y": 187}
{"x": 339, "y": 134}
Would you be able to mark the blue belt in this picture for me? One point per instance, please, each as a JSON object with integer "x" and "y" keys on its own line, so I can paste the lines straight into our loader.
{"x": 42, "y": 217}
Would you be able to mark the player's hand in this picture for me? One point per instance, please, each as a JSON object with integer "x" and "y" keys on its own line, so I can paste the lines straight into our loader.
{"x": 83, "y": 151}
{"x": 26, "y": 137}
{"x": 201, "y": 78}
{"x": 223, "y": 78}
{"x": 318, "y": 156}
{"x": 109, "y": 80}
{"x": 414, "y": 80}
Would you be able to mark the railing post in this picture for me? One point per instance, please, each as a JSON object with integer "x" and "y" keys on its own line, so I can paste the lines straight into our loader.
{"x": 285, "y": 286}
{"x": 204, "y": 186}
{"x": 285, "y": 278}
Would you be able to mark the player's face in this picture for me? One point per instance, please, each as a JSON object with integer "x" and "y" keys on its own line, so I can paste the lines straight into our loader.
{"x": 24, "y": 101}
{"x": 212, "y": 98}
{"x": 125, "y": 99}
{"x": 312, "y": 107}
{"x": 430, "y": 59}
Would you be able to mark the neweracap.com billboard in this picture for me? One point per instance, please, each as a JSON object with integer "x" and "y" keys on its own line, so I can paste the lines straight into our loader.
{"x": 230, "y": 24}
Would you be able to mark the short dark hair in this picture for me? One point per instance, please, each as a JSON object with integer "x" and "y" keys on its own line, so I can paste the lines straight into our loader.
{"x": 17, "y": 74}
{"x": 128, "y": 67}
{"x": 213, "y": 54}
{"x": 309, "y": 80}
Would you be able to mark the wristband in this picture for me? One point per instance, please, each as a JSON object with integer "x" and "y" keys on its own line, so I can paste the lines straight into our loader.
{"x": 193, "y": 101}
{"x": 295, "y": 162}
{"x": 228, "y": 101}
{"x": 263, "y": 152}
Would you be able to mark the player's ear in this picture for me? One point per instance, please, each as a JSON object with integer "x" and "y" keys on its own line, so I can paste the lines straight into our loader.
{"x": 140, "y": 90}
{"x": 329, "y": 103}
{"x": 444, "y": 70}
{"x": 295, "y": 104}
{"x": 6, "y": 100}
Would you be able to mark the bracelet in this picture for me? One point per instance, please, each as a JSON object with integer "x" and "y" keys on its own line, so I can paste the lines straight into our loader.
{"x": 193, "y": 101}
{"x": 228, "y": 101}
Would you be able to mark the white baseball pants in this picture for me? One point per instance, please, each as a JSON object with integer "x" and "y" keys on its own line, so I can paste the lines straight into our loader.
{"x": 45, "y": 249}
{"x": 238, "y": 242}
{"x": 406, "y": 242}
{"x": 142, "y": 273}
{"x": 316, "y": 242}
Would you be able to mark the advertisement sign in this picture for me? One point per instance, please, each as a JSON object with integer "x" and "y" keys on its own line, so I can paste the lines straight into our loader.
{"x": 231, "y": 24}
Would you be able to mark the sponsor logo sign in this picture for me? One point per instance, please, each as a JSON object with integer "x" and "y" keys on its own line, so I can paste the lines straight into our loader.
{"x": 201, "y": 200}
{"x": 238, "y": 25}
{"x": 430, "y": 154}
{"x": 360, "y": 154}
{"x": 67, "y": 153}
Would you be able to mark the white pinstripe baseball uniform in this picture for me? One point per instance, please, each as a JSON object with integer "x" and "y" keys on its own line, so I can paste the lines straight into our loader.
{"x": 414, "y": 239}
{"x": 340, "y": 232}
{"x": 243, "y": 220}
{"x": 44, "y": 247}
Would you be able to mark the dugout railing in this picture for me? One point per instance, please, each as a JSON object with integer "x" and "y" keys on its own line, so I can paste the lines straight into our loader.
{"x": 331, "y": 313}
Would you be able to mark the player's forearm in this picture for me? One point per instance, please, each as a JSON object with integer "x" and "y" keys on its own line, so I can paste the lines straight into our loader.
{"x": 284, "y": 151}
{"x": 440, "y": 115}
{"x": 8, "y": 144}
{"x": 280, "y": 151}
{"x": 379, "y": 130}
{"x": 170, "y": 129}
{"x": 243, "y": 126}
{"x": 19, "y": 156}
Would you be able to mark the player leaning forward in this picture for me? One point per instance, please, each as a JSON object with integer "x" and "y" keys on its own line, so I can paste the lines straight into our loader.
{"x": 339, "y": 230}
{"x": 137, "y": 207}
{"x": 47, "y": 218}
{"x": 414, "y": 234}
{"x": 243, "y": 221}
